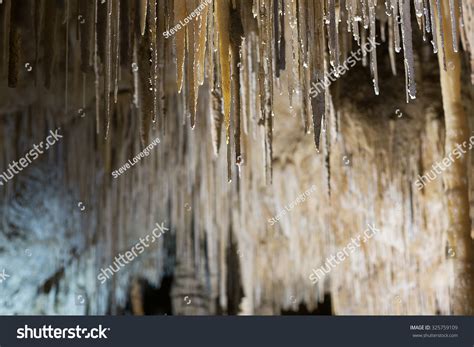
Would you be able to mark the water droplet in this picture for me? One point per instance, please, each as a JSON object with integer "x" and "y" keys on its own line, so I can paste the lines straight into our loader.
{"x": 451, "y": 252}
{"x": 239, "y": 160}
{"x": 346, "y": 160}
{"x": 80, "y": 299}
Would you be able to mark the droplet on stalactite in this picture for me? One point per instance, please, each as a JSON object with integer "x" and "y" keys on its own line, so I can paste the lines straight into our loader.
{"x": 376, "y": 86}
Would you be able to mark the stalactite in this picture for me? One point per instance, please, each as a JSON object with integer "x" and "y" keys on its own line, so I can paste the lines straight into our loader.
{"x": 200, "y": 55}
{"x": 153, "y": 48}
{"x": 145, "y": 86}
{"x": 391, "y": 49}
{"x": 180, "y": 41}
{"x": 408, "y": 49}
{"x": 454, "y": 24}
{"x": 318, "y": 103}
{"x": 15, "y": 41}
{"x": 108, "y": 64}
{"x": 96, "y": 67}
{"x": 191, "y": 87}
{"x": 116, "y": 48}
{"x": 440, "y": 31}
{"x": 222, "y": 24}
{"x": 333, "y": 33}
{"x": 162, "y": 61}
{"x": 143, "y": 10}
{"x": 236, "y": 34}
{"x": 302, "y": 44}
{"x": 39, "y": 23}
{"x": 86, "y": 31}
{"x": 217, "y": 115}
{"x": 396, "y": 23}
{"x": 373, "y": 53}
{"x": 66, "y": 59}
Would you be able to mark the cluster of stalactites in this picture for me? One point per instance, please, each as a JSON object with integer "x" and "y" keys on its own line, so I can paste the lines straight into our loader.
{"x": 240, "y": 47}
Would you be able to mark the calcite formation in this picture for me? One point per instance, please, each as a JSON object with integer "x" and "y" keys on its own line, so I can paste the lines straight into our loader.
{"x": 226, "y": 87}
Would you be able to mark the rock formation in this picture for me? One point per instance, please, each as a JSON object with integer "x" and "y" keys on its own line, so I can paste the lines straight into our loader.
{"x": 258, "y": 176}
